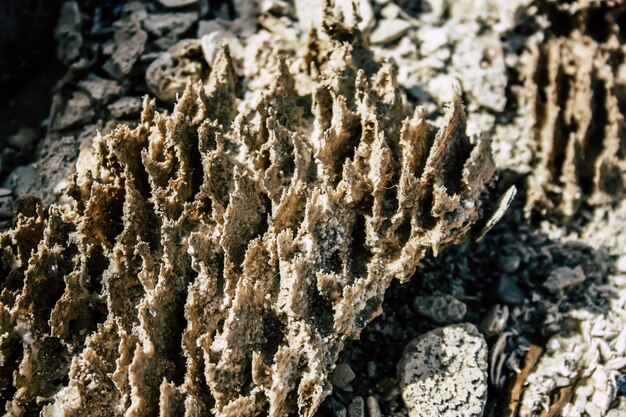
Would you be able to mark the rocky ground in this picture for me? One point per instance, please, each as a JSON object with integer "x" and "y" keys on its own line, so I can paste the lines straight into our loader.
{"x": 527, "y": 320}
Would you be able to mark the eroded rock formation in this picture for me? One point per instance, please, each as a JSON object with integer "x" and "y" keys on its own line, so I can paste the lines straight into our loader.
{"x": 573, "y": 104}
{"x": 216, "y": 259}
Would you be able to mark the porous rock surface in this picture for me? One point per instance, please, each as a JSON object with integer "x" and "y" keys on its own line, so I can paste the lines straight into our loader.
{"x": 572, "y": 106}
{"x": 215, "y": 259}
{"x": 444, "y": 372}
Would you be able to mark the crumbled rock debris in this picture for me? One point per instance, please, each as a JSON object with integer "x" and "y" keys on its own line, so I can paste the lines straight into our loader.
{"x": 506, "y": 56}
{"x": 444, "y": 372}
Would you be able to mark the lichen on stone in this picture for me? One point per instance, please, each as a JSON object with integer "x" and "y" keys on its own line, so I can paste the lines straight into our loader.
{"x": 215, "y": 260}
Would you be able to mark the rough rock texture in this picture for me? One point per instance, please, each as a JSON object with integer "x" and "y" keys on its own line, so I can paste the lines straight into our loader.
{"x": 444, "y": 373}
{"x": 572, "y": 106}
{"x": 215, "y": 260}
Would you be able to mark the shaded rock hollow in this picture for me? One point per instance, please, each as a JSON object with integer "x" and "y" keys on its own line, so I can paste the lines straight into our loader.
{"x": 215, "y": 259}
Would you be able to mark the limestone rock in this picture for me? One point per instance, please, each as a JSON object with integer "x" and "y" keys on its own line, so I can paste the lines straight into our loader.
{"x": 215, "y": 259}
{"x": 444, "y": 373}
{"x": 573, "y": 101}
{"x": 169, "y": 73}
{"x": 129, "y": 41}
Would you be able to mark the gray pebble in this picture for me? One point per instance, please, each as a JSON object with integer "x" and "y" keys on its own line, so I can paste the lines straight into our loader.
{"x": 371, "y": 369}
{"x": 564, "y": 277}
{"x": 373, "y": 409}
{"x": 508, "y": 291}
{"x": 336, "y": 407}
{"x": 342, "y": 375}
{"x": 443, "y": 309}
{"x": 21, "y": 179}
{"x": 357, "y": 408}
{"x": 509, "y": 263}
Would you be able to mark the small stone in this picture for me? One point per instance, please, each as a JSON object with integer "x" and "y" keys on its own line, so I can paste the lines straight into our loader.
{"x": 440, "y": 87}
{"x": 24, "y": 137}
{"x": 309, "y": 13}
{"x": 371, "y": 369}
{"x": 68, "y": 32}
{"x": 443, "y": 309}
{"x": 507, "y": 291}
{"x": 373, "y": 409}
{"x": 618, "y": 280}
{"x": 388, "y": 388}
{"x": 177, "y": 3}
{"x": 5, "y": 192}
{"x": 212, "y": 42}
{"x": 444, "y": 371}
{"x": 125, "y": 106}
{"x": 389, "y": 30}
{"x": 22, "y": 178}
{"x": 76, "y": 111}
{"x": 206, "y": 27}
{"x": 342, "y": 375}
{"x": 509, "y": 263}
{"x": 100, "y": 89}
{"x": 129, "y": 41}
{"x": 431, "y": 39}
{"x": 620, "y": 264}
{"x": 564, "y": 277}
{"x": 169, "y": 27}
{"x": 495, "y": 320}
{"x": 391, "y": 11}
{"x": 336, "y": 407}
{"x": 357, "y": 408}
{"x": 167, "y": 75}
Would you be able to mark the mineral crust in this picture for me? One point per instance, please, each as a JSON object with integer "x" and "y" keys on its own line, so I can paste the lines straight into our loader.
{"x": 214, "y": 260}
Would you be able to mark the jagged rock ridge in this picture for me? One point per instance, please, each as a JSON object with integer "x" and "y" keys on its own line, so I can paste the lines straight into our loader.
{"x": 574, "y": 103}
{"x": 215, "y": 260}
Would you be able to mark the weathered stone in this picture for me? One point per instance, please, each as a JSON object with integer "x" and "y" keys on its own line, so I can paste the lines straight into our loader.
{"x": 445, "y": 371}
{"x": 389, "y": 30}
